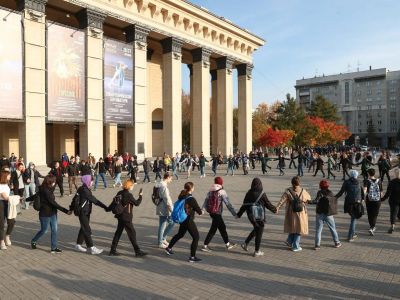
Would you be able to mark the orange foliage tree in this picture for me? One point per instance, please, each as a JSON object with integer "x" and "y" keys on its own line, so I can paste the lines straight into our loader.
{"x": 327, "y": 132}
{"x": 275, "y": 137}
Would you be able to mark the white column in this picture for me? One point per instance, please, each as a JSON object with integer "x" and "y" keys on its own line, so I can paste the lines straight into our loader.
{"x": 138, "y": 134}
{"x": 245, "y": 107}
{"x": 201, "y": 101}
{"x": 225, "y": 105}
{"x": 172, "y": 95}
{"x": 190, "y": 66}
{"x": 91, "y": 133}
{"x": 32, "y": 132}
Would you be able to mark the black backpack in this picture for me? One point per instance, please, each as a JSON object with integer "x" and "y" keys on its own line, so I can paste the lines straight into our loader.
{"x": 323, "y": 205}
{"x": 36, "y": 201}
{"x": 297, "y": 204}
{"x": 75, "y": 205}
{"x": 155, "y": 197}
{"x": 357, "y": 210}
{"x": 116, "y": 207}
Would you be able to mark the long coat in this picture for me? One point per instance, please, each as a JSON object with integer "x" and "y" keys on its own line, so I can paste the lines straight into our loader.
{"x": 295, "y": 222}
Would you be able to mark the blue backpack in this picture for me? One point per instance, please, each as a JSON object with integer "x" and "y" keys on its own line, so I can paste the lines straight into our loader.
{"x": 179, "y": 214}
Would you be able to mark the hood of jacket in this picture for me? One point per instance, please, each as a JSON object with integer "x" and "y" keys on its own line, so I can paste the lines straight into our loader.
{"x": 216, "y": 187}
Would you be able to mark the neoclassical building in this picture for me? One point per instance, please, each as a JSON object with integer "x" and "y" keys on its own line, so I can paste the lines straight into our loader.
{"x": 99, "y": 75}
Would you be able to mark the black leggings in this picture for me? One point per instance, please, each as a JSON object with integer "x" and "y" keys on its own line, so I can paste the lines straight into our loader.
{"x": 383, "y": 173}
{"x": 130, "y": 231}
{"x": 191, "y": 227}
{"x": 345, "y": 172}
{"x": 394, "y": 212}
{"x": 85, "y": 233}
{"x": 60, "y": 186}
{"x": 217, "y": 223}
{"x": 322, "y": 171}
{"x": 373, "y": 211}
{"x": 257, "y": 232}
{"x": 3, "y": 216}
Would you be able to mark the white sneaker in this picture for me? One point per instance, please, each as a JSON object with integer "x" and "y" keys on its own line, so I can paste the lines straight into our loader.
{"x": 165, "y": 242}
{"x": 258, "y": 253}
{"x": 79, "y": 248}
{"x": 162, "y": 246}
{"x": 8, "y": 241}
{"x": 95, "y": 251}
{"x": 3, "y": 245}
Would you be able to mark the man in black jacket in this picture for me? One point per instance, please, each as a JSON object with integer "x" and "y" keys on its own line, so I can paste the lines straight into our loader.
{"x": 58, "y": 174}
{"x": 72, "y": 171}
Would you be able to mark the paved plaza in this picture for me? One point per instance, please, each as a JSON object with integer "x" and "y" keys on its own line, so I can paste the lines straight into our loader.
{"x": 369, "y": 268}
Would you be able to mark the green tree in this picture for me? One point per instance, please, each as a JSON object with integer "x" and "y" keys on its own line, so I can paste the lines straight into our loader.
{"x": 186, "y": 118}
{"x": 323, "y": 109}
{"x": 291, "y": 116}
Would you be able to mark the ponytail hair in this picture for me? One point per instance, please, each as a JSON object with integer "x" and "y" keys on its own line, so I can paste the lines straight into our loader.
{"x": 186, "y": 189}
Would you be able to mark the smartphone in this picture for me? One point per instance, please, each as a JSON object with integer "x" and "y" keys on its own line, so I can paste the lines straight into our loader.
{"x": 140, "y": 191}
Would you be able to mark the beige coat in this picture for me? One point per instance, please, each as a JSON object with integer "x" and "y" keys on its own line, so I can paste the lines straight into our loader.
{"x": 295, "y": 222}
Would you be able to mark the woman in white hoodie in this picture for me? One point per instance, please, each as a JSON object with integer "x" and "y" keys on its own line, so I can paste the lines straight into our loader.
{"x": 213, "y": 205}
{"x": 4, "y": 198}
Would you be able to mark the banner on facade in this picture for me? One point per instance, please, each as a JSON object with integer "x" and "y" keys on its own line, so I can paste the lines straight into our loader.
{"x": 66, "y": 74}
{"x": 11, "y": 67}
{"x": 118, "y": 82}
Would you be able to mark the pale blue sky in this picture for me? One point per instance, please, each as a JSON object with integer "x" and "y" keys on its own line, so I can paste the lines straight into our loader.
{"x": 308, "y": 37}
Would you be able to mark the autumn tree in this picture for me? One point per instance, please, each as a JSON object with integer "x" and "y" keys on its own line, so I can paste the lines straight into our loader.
{"x": 263, "y": 116}
{"x": 275, "y": 137}
{"x": 323, "y": 109}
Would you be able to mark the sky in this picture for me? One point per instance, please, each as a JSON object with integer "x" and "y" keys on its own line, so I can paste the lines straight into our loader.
{"x": 305, "y": 38}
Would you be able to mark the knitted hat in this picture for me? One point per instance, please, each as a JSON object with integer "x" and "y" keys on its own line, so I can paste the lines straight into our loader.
{"x": 324, "y": 185}
{"x": 87, "y": 180}
{"x": 218, "y": 180}
{"x": 353, "y": 174}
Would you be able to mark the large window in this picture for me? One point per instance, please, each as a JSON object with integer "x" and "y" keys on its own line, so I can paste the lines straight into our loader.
{"x": 346, "y": 93}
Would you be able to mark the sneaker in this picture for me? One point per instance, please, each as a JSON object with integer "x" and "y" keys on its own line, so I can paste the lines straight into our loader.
{"x": 33, "y": 245}
{"x": 371, "y": 231}
{"x": 206, "y": 249}
{"x": 288, "y": 245}
{"x": 162, "y": 246}
{"x": 194, "y": 259}
{"x": 230, "y": 246}
{"x": 297, "y": 249}
{"x": 79, "y": 248}
{"x": 391, "y": 229}
{"x": 3, "y": 245}
{"x": 7, "y": 240}
{"x": 56, "y": 250}
{"x": 353, "y": 238}
{"x": 338, "y": 245}
{"x": 317, "y": 248}
{"x": 258, "y": 253}
{"x": 140, "y": 253}
{"x": 95, "y": 251}
{"x": 245, "y": 247}
{"x": 168, "y": 251}
{"x": 113, "y": 253}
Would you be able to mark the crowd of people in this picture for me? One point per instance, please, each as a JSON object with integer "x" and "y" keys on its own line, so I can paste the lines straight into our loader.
{"x": 20, "y": 186}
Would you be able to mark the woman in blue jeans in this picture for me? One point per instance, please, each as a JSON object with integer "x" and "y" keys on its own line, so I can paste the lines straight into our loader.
{"x": 48, "y": 212}
{"x": 354, "y": 193}
{"x": 164, "y": 210}
{"x": 326, "y": 209}
{"x": 296, "y": 223}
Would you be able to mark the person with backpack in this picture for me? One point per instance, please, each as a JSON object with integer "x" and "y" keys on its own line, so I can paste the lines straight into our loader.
{"x": 124, "y": 215}
{"x": 354, "y": 195}
{"x": 325, "y": 210}
{"x": 48, "y": 213}
{"x": 163, "y": 210}
{"x": 372, "y": 190}
{"x": 296, "y": 216}
{"x": 213, "y": 205}
{"x": 184, "y": 210}
{"x": 254, "y": 205}
{"x": 393, "y": 192}
{"x": 82, "y": 207}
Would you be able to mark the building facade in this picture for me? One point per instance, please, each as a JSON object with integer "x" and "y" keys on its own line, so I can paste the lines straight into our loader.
{"x": 99, "y": 75}
{"x": 360, "y": 97}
